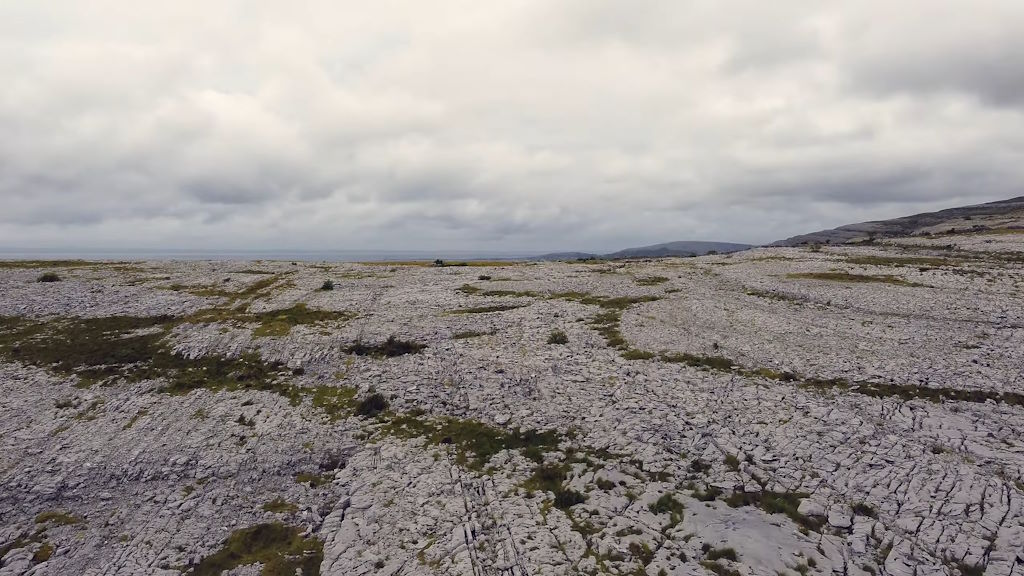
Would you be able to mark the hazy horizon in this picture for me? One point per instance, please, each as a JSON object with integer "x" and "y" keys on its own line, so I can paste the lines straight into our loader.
{"x": 512, "y": 126}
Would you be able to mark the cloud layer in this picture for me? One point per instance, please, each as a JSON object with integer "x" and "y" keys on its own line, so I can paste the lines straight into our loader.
{"x": 515, "y": 125}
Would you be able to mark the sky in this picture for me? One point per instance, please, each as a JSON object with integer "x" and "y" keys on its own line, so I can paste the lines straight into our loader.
{"x": 509, "y": 125}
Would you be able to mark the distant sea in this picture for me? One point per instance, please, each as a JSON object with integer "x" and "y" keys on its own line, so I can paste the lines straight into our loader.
{"x": 287, "y": 255}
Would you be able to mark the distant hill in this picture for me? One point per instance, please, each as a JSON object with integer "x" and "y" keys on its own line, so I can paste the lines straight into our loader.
{"x": 1001, "y": 214}
{"x": 682, "y": 248}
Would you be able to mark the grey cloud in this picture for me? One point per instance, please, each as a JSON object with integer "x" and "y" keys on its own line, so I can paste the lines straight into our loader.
{"x": 526, "y": 125}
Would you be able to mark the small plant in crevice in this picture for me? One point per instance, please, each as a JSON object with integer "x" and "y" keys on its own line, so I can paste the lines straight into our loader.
{"x": 372, "y": 405}
{"x": 327, "y": 286}
{"x": 557, "y": 337}
{"x": 390, "y": 348}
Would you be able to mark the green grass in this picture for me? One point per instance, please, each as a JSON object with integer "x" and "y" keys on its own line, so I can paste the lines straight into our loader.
{"x": 651, "y": 280}
{"x": 475, "y": 443}
{"x": 335, "y": 401}
{"x": 853, "y": 278}
{"x": 281, "y": 322}
{"x": 48, "y": 277}
{"x": 372, "y": 405}
{"x": 722, "y": 554}
{"x": 469, "y": 334}
{"x": 667, "y": 504}
{"x": 864, "y": 509}
{"x": 708, "y": 362}
{"x": 486, "y": 309}
{"x": 777, "y": 503}
{"x": 390, "y": 348}
{"x": 314, "y": 480}
{"x": 557, "y": 337}
{"x": 900, "y": 261}
{"x": 280, "y": 506}
{"x": 57, "y": 518}
{"x": 550, "y": 478}
{"x": 281, "y": 549}
{"x": 718, "y": 568}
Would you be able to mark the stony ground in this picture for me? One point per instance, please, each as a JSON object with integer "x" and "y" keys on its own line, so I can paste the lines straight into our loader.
{"x": 853, "y": 410}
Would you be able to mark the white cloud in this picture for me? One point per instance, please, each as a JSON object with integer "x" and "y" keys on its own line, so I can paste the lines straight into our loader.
{"x": 503, "y": 125}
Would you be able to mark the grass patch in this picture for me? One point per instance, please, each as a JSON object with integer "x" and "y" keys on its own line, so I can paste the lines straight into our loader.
{"x": 327, "y": 286}
{"x": 134, "y": 419}
{"x": 854, "y": 278}
{"x": 388, "y": 349}
{"x": 281, "y": 549}
{"x": 931, "y": 394}
{"x": 280, "y": 506}
{"x": 708, "y": 362}
{"x": 667, "y": 504}
{"x": 372, "y": 405}
{"x": 718, "y": 568}
{"x": 281, "y": 322}
{"x": 43, "y": 553}
{"x": 486, "y": 309}
{"x": 48, "y": 277}
{"x": 475, "y": 443}
{"x": 314, "y": 480}
{"x": 864, "y": 509}
{"x": 634, "y": 354}
{"x": 557, "y": 337}
{"x": 469, "y": 334}
{"x": 651, "y": 280}
{"x": 722, "y": 554}
{"x": 57, "y": 518}
{"x": 777, "y": 503}
{"x": 335, "y": 401}
{"x": 900, "y": 261}
{"x": 549, "y": 478}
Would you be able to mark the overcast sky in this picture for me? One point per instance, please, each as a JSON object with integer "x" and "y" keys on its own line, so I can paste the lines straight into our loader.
{"x": 508, "y": 125}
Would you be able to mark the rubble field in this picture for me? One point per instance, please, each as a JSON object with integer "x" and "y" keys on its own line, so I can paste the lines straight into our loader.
{"x": 847, "y": 410}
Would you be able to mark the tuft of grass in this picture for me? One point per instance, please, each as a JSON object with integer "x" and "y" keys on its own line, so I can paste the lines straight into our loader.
{"x": 900, "y": 261}
{"x": 314, "y": 480}
{"x": 864, "y": 509}
{"x": 281, "y": 549}
{"x": 48, "y": 277}
{"x": 777, "y": 503}
{"x": 280, "y": 506}
{"x": 469, "y": 334}
{"x": 335, "y": 401}
{"x": 550, "y": 477}
{"x": 651, "y": 280}
{"x": 372, "y": 405}
{"x": 667, "y": 504}
{"x": 635, "y": 354}
{"x": 388, "y": 349}
{"x": 135, "y": 419}
{"x": 719, "y": 569}
{"x": 854, "y": 278}
{"x": 43, "y": 553}
{"x": 475, "y": 443}
{"x": 709, "y": 362}
{"x": 557, "y": 337}
{"x": 486, "y": 309}
{"x": 57, "y": 518}
{"x": 327, "y": 286}
{"x": 722, "y": 554}
{"x": 732, "y": 462}
{"x": 281, "y": 322}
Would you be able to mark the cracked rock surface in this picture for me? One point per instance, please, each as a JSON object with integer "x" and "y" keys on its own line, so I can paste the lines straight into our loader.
{"x": 846, "y": 410}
